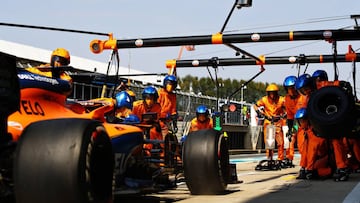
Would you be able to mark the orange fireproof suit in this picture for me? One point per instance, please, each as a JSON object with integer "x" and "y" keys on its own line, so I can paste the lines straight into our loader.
{"x": 301, "y": 103}
{"x": 139, "y": 108}
{"x": 273, "y": 109}
{"x": 197, "y": 125}
{"x": 352, "y": 148}
{"x": 167, "y": 101}
{"x": 291, "y": 107}
{"x": 317, "y": 156}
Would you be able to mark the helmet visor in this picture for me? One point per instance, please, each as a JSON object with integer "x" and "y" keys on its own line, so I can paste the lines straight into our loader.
{"x": 60, "y": 60}
{"x": 202, "y": 117}
{"x": 169, "y": 87}
{"x": 149, "y": 101}
{"x": 305, "y": 90}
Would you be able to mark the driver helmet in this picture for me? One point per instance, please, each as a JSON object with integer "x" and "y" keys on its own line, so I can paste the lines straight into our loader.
{"x": 60, "y": 57}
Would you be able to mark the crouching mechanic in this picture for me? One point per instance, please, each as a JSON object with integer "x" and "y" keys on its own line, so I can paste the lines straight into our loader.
{"x": 167, "y": 101}
{"x": 316, "y": 162}
{"x": 149, "y": 104}
{"x": 202, "y": 119}
{"x": 124, "y": 104}
{"x": 338, "y": 147}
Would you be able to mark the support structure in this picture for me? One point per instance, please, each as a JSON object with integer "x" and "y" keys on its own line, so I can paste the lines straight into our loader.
{"x": 97, "y": 46}
{"x": 301, "y": 59}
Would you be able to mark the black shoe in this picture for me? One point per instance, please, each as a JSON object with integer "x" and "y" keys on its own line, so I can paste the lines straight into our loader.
{"x": 341, "y": 175}
{"x": 302, "y": 174}
{"x": 311, "y": 174}
{"x": 289, "y": 163}
{"x": 356, "y": 170}
{"x": 283, "y": 163}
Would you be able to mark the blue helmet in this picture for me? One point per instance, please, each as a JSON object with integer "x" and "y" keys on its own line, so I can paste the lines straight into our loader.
{"x": 131, "y": 119}
{"x": 170, "y": 78}
{"x": 321, "y": 74}
{"x": 301, "y": 113}
{"x": 202, "y": 109}
{"x": 304, "y": 80}
{"x": 289, "y": 81}
{"x": 123, "y": 99}
{"x": 150, "y": 91}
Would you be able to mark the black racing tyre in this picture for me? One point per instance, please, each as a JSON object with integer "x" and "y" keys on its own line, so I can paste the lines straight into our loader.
{"x": 330, "y": 111}
{"x": 206, "y": 162}
{"x": 64, "y": 160}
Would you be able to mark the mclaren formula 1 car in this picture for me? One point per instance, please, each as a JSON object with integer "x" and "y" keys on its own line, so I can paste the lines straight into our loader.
{"x": 52, "y": 150}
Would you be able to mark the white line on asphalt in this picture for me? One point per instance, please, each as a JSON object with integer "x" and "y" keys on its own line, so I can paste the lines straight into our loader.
{"x": 354, "y": 195}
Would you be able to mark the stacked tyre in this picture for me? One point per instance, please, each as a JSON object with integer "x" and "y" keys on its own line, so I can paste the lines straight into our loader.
{"x": 332, "y": 112}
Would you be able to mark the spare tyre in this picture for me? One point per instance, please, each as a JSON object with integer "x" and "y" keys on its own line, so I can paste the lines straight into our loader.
{"x": 64, "y": 160}
{"x": 330, "y": 111}
{"x": 206, "y": 162}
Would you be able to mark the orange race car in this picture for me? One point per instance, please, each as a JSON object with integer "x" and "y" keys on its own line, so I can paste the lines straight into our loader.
{"x": 54, "y": 150}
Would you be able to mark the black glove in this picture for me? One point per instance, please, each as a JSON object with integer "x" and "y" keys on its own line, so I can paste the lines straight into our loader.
{"x": 259, "y": 114}
{"x": 174, "y": 117}
{"x": 290, "y": 124}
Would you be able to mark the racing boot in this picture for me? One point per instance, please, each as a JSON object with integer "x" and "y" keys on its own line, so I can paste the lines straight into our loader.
{"x": 283, "y": 163}
{"x": 289, "y": 163}
{"x": 302, "y": 174}
{"x": 311, "y": 174}
{"x": 341, "y": 174}
{"x": 356, "y": 170}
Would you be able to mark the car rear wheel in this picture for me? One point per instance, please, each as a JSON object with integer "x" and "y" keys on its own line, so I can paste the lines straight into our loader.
{"x": 64, "y": 160}
{"x": 206, "y": 162}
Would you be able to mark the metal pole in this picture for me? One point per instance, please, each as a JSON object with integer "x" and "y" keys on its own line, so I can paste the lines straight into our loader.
{"x": 242, "y": 106}
{"x": 97, "y": 46}
{"x": 349, "y": 57}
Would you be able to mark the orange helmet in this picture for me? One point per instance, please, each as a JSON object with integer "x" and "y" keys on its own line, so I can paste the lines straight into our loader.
{"x": 272, "y": 88}
{"x": 60, "y": 55}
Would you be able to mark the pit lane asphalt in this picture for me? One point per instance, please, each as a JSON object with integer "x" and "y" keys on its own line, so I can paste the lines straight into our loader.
{"x": 279, "y": 186}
